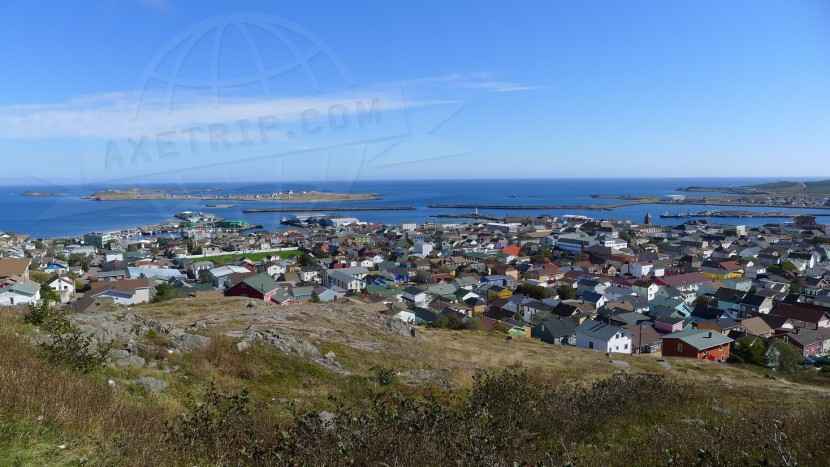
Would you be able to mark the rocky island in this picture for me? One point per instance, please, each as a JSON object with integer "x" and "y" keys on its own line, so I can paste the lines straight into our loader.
{"x": 41, "y": 193}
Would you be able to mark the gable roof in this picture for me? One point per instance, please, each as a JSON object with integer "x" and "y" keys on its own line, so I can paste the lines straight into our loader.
{"x": 262, "y": 282}
{"x": 700, "y": 339}
{"x": 14, "y": 266}
{"x": 596, "y": 330}
{"x": 801, "y": 312}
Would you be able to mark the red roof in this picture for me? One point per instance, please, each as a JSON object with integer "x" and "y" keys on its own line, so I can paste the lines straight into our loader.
{"x": 513, "y": 250}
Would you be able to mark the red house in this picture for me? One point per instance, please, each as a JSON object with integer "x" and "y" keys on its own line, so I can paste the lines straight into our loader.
{"x": 261, "y": 287}
{"x": 697, "y": 343}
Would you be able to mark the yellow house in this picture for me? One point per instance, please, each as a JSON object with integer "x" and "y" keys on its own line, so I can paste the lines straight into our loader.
{"x": 719, "y": 274}
{"x": 498, "y": 292}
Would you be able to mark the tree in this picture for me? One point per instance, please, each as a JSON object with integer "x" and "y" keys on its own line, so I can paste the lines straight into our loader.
{"x": 703, "y": 300}
{"x": 164, "y": 292}
{"x": 49, "y": 294}
{"x": 536, "y": 292}
{"x": 566, "y": 292}
{"x": 314, "y": 298}
{"x": 795, "y": 285}
{"x": 749, "y": 350}
{"x": 204, "y": 277}
{"x": 784, "y": 356}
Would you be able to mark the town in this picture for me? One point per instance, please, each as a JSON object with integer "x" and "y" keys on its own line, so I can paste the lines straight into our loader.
{"x": 697, "y": 289}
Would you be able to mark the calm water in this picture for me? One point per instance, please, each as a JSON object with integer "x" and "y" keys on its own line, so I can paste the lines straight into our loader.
{"x": 73, "y": 216}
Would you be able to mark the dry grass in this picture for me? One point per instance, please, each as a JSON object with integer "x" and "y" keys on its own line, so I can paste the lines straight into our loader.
{"x": 125, "y": 425}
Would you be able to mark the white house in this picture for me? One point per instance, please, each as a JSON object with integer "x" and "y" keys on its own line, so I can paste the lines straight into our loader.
{"x": 126, "y": 292}
{"x": 20, "y": 293}
{"x": 344, "y": 280}
{"x": 415, "y": 296}
{"x": 645, "y": 289}
{"x": 63, "y": 286}
{"x": 422, "y": 248}
{"x": 406, "y": 316}
{"x": 604, "y": 337}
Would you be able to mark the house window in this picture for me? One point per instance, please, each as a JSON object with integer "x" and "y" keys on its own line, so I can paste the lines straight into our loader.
{"x": 626, "y": 346}
{"x": 679, "y": 347}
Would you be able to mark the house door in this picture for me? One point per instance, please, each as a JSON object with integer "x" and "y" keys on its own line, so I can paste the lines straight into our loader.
{"x": 590, "y": 345}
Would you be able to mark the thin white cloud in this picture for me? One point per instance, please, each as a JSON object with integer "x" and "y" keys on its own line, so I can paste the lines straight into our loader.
{"x": 113, "y": 115}
{"x": 481, "y": 80}
{"x": 116, "y": 115}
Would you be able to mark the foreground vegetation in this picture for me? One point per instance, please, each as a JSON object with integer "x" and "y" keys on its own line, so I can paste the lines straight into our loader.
{"x": 262, "y": 407}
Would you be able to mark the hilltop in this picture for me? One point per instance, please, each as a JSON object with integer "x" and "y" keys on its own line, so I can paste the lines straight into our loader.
{"x": 252, "y": 366}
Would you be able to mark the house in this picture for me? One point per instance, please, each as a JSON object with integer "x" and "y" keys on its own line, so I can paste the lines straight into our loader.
{"x": 10, "y": 267}
{"x": 497, "y": 291}
{"x": 697, "y": 343}
{"x": 20, "y": 293}
{"x": 808, "y": 341}
{"x": 344, "y": 280}
{"x": 117, "y": 275}
{"x": 261, "y": 286}
{"x": 645, "y": 288}
{"x": 753, "y": 305}
{"x": 644, "y": 338}
{"x": 688, "y": 282}
{"x": 415, "y": 296}
{"x": 221, "y": 277}
{"x": 803, "y": 315}
{"x": 64, "y": 286}
{"x": 756, "y": 326}
{"x": 594, "y": 335}
{"x": 123, "y": 292}
{"x": 308, "y": 273}
{"x": 424, "y": 315}
{"x": 555, "y": 330}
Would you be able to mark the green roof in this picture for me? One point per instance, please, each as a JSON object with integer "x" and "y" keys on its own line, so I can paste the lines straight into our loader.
{"x": 262, "y": 282}
{"x": 381, "y": 290}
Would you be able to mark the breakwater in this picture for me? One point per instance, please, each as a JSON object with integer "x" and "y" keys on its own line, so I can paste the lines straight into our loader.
{"x": 332, "y": 209}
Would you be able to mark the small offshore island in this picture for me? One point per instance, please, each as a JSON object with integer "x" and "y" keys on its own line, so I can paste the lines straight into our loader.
{"x": 41, "y": 193}
{"x": 136, "y": 194}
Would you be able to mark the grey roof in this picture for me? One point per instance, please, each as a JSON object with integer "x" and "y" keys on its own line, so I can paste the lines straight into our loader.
{"x": 597, "y": 330}
{"x": 700, "y": 338}
{"x": 554, "y": 328}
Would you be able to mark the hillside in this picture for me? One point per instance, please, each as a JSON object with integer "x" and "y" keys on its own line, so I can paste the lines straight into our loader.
{"x": 255, "y": 368}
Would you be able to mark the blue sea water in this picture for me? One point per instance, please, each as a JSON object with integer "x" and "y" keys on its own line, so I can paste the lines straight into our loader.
{"x": 72, "y": 215}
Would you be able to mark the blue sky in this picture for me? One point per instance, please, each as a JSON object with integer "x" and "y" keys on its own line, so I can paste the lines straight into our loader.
{"x": 163, "y": 90}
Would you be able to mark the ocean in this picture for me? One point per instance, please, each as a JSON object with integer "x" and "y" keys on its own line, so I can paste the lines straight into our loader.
{"x": 71, "y": 215}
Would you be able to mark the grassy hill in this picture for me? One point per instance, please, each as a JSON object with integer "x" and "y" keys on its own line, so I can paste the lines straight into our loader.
{"x": 391, "y": 398}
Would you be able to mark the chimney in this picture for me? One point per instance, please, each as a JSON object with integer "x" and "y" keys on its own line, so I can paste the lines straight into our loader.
{"x": 797, "y": 330}
{"x": 709, "y": 335}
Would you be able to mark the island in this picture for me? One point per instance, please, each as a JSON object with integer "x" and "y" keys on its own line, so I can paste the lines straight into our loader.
{"x": 136, "y": 194}
{"x": 41, "y": 193}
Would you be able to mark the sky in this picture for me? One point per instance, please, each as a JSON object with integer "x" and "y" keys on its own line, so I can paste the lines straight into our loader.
{"x": 165, "y": 90}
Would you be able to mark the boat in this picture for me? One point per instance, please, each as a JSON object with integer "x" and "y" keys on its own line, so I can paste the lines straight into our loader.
{"x": 512, "y": 196}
